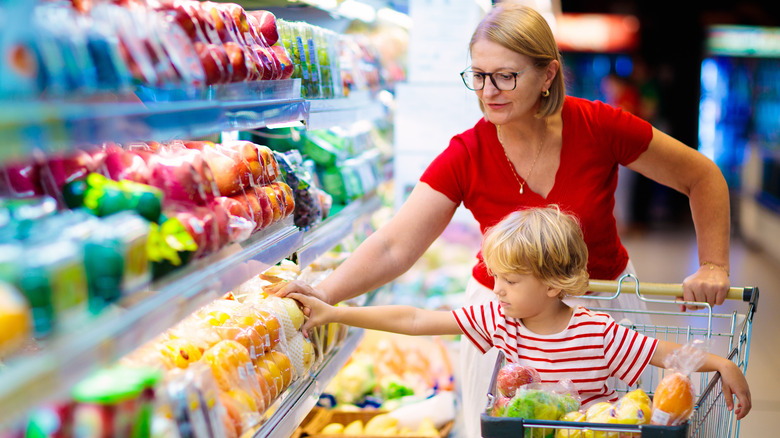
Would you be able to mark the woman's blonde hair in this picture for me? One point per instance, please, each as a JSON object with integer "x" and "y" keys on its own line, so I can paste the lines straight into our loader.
{"x": 523, "y": 30}
{"x": 544, "y": 242}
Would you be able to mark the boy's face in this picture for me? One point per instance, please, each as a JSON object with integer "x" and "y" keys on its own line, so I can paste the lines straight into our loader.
{"x": 523, "y": 295}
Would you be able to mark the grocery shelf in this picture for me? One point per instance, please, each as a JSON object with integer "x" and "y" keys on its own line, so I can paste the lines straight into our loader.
{"x": 64, "y": 360}
{"x": 164, "y": 114}
{"x": 31, "y": 380}
{"x": 331, "y": 231}
{"x": 359, "y": 106}
{"x": 303, "y": 395}
{"x": 149, "y": 114}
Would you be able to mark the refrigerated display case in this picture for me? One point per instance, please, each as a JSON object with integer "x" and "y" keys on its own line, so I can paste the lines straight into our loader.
{"x": 159, "y": 114}
{"x": 739, "y": 110}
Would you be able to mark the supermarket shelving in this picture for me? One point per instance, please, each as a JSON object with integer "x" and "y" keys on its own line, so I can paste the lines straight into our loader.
{"x": 303, "y": 395}
{"x": 164, "y": 115}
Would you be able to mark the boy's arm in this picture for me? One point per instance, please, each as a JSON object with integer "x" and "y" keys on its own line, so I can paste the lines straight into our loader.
{"x": 734, "y": 382}
{"x": 405, "y": 320}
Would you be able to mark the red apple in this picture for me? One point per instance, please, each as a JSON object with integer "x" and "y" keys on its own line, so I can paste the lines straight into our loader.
{"x": 238, "y": 14}
{"x": 215, "y": 61}
{"x": 272, "y": 65}
{"x": 240, "y": 222}
{"x": 119, "y": 164}
{"x": 238, "y": 60}
{"x": 266, "y": 26}
{"x": 498, "y": 406}
{"x": 270, "y": 164}
{"x": 513, "y": 375}
{"x": 231, "y": 171}
{"x": 249, "y": 152}
{"x": 284, "y": 59}
{"x": 20, "y": 179}
{"x": 269, "y": 212}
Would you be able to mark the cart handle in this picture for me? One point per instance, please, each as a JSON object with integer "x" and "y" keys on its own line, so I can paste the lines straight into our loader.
{"x": 667, "y": 289}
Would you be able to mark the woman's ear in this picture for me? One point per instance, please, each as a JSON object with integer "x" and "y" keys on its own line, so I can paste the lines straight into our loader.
{"x": 550, "y": 72}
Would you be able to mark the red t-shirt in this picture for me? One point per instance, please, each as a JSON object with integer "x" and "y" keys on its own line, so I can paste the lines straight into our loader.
{"x": 596, "y": 138}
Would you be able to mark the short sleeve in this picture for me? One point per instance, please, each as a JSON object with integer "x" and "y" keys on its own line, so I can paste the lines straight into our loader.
{"x": 628, "y": 135}
{"x": 477, "y": 323}
{"x": 627, "y": 352}
{"x": 447, "y": 172}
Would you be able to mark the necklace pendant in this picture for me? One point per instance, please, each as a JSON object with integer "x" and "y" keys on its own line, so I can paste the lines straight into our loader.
{"x": 521, "y": 188}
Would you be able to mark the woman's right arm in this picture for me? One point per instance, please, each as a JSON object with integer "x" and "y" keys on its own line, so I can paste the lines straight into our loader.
{"x": 391, "y": 250}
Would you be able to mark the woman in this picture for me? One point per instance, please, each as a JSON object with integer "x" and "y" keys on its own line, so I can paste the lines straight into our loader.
{"x": 534, "y": 147}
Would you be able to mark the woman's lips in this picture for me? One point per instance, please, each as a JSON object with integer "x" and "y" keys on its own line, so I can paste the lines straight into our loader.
{"x": 496, "y": 106}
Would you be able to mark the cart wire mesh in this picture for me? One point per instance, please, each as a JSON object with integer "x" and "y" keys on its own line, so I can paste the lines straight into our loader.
{"x": 725, "y": 334}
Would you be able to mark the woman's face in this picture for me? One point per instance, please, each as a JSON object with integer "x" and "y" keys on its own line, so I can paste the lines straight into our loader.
{"x": 502, "y": 107}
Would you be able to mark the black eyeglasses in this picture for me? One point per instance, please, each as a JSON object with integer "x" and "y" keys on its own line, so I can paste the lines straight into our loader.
{"x": 502, "y": 80}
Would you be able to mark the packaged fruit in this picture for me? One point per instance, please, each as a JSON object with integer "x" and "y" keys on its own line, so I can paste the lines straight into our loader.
{"x": 673, "y": 400}
{"x": 15, "y": 319}
{"x": 513, "y": 375}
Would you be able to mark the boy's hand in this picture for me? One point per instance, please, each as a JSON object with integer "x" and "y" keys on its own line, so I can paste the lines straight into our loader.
{"x": 316, "y": 310}
{"x": 735, "y": 384}
{"x": 284, "y": 289}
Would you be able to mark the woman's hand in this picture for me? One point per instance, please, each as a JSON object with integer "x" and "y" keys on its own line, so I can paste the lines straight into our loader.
{"x": 706, "y": 285}
{"x": 316, "y": 310}
{"x": 735, "y": 384}
{"x": 296, "y": 286}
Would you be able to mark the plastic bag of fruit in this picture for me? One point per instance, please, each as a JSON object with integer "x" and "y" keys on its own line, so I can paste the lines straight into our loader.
{"x": 542, "y": 401}
{"x": 674, "y": 396}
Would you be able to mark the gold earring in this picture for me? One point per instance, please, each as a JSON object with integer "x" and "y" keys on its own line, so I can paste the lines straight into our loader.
{"x": 545, "y": 93}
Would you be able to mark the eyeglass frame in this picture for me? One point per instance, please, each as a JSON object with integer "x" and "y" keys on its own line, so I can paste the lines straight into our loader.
{"x": 514, "y": 74}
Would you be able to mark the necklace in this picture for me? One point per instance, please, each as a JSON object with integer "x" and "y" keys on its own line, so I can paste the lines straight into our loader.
{"x": 512, "y": 166}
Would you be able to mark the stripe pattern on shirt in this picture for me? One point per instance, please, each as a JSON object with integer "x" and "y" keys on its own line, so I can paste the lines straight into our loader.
{"x": 591, "y": 349}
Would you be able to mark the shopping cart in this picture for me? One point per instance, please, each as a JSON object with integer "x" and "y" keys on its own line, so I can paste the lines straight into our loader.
{"x": 727, "y": 334}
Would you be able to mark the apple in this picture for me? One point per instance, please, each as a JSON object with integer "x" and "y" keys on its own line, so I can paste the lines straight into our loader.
{"x": 231, "y": 171}
{"x": 240, "y": 221}
{"x": 20, "y": 179}
{"x": 249, "y": 152}
{"x": 265, "y": 204}
{"x": 239, "y": 16}
{"x": 512, "y": 375}
{"x": 216, "y": 62}
{"x": 499, "y": 405}
{"x": 118, "y": 164}
{"x": 238, "y": 60}
{"x": 270, "y": 164}
{"x": 265, "y": 23}
{"x": 284, "y": 59}
{"x": 273, "y": 67}
{"x": 222, "y": 22}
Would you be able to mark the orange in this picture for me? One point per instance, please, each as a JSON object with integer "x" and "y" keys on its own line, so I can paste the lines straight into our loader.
{"x": 673, "y": 400}
{"x": 284, "y": 364}
{"x": 276, "y": 373}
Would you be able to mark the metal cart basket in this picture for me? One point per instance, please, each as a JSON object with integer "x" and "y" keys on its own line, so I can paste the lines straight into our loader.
{"x": 727, "y": 334}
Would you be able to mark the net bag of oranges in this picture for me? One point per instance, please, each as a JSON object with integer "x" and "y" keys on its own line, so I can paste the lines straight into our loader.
{"x": 674, "y": 396}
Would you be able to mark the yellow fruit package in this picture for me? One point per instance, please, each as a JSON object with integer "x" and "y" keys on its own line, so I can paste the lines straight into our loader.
{"x": 674, "y": 396}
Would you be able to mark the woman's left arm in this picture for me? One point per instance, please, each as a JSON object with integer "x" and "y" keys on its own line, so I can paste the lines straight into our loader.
{"x": 672, "y": 163}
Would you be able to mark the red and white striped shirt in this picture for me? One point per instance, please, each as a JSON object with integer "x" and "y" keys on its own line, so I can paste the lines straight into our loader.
{"x": 592, "y": 348}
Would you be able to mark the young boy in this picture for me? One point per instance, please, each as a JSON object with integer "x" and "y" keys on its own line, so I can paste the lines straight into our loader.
{"x": 538, "y": 257}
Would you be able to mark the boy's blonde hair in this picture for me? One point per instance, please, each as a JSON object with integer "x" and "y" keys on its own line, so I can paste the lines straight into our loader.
{"x": 544, "y": 242}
